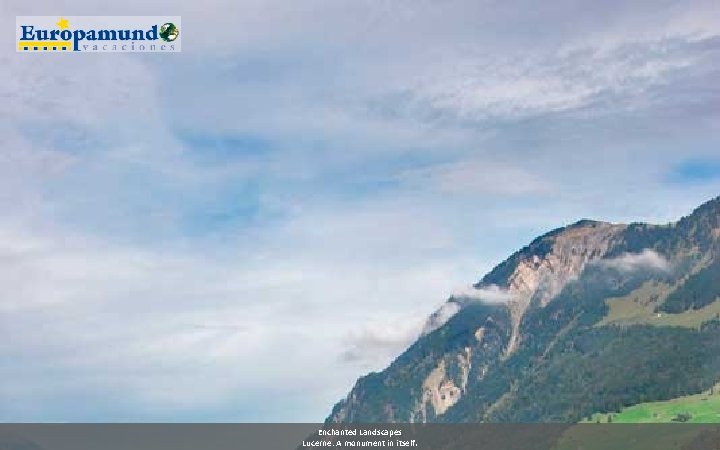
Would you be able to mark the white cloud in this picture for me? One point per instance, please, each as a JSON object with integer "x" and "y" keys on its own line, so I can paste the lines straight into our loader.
{"x": 440, "y": 317}
{"x": 492, "y": 294}
{"x": 488, "y": 294}
{"x": 377, "y": 344}
{"x": 551, "y": 83}
{"x": 647, "y": 259}
{"x": 181, "y": 317}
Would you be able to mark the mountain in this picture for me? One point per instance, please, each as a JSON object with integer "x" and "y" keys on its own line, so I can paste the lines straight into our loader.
{"x": 588, "y": 318}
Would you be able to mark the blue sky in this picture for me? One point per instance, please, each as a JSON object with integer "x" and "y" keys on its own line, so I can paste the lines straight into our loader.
{"x": 239, "y": 231}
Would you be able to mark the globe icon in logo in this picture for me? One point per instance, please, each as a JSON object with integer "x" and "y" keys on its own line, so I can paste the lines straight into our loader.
{"x": 169, "y": 32}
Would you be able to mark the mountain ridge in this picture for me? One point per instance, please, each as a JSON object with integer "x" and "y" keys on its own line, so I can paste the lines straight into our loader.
{"x": 479, "y": 359}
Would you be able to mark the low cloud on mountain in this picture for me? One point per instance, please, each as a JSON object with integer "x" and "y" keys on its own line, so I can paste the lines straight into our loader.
{"x": 488, "y": 294}
{"x": 647, "y": 259}
{"x": 379, "y": 343}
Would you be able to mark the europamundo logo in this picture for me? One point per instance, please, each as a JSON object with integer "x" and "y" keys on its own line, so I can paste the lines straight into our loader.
{"x": 98, "y": 34}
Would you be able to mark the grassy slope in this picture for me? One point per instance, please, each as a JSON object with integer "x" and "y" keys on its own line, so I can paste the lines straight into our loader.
{"x": 638, "y": 307}
{"x": 704, "y": 408}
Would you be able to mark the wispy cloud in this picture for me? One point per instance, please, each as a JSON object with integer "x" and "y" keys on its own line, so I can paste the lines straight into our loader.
{"x": 441, "y": 315}
{"x": 530, "y": 86}
{"x": 489, "y": 294}
{"x": 478, "y": 178}
{"x": 379, "y": 343}
{"x": 648, "y": 259}
{"x": 187, "y": 318}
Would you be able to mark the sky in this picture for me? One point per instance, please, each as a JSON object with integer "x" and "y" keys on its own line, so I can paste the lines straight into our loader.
{"x": 237, "y": 232}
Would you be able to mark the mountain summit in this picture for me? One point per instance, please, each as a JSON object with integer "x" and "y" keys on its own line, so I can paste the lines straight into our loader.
{"x": 592, "y": 317}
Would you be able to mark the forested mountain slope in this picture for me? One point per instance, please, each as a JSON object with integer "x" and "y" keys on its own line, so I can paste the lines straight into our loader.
{"x": 587, "y": 318}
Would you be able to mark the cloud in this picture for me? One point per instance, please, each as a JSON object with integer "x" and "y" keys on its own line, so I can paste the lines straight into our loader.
{"x": 512, "y": 89}
{"x": 646, "y": 260}
{"x": 180, "y": 317}
{"x": 379, "y": 343}
{"x": 477, "y": 178}
{"x": 492, "y": 294}
{"x": 488, "y": 294}
{"x": 441, "y": 316}
{"x": 339, "y": 218}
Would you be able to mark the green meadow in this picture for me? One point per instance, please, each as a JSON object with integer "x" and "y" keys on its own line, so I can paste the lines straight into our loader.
{"x": 699, "y": 408}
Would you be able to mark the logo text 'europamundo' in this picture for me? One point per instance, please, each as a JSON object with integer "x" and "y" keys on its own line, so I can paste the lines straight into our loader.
{"x": 98, "y": 33}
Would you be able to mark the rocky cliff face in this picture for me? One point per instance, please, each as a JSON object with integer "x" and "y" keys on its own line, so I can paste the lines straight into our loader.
{"x": 477, "y": 359}
{"x": 539, "y": 277}
{"x": 538, "y": 272}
